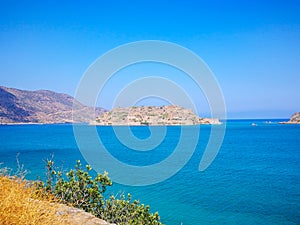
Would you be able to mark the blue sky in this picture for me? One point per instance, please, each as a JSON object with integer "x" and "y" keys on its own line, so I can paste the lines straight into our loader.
{"x": 252, "y": 47}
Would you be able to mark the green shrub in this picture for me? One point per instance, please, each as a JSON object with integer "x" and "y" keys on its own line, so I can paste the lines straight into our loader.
{"x": 124, "y": 211}
{"x": 79, "y": 189}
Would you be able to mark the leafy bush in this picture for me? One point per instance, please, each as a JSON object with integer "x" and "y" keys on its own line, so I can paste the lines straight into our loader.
{"x": 79, "y": 189}
{"x": 124, "y": 211}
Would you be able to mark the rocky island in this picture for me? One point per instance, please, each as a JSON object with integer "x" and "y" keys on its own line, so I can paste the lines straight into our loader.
{"x": 295, "y": 119}
{"x": 151, "y": 116}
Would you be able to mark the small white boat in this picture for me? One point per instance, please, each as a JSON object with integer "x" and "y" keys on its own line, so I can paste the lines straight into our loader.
{"x": 254, "y": 124}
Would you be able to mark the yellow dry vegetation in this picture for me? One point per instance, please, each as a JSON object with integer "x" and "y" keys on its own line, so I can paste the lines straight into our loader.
{"x": 20, "y": 204}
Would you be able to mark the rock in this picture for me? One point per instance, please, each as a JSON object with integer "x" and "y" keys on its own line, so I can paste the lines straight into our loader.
{"x": 76, "y": 216}
{"x": 295, "y": 119}
{"x": 151, "y": 116}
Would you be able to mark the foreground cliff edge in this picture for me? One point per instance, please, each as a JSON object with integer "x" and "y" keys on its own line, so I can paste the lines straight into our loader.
{"x": 295, "y": 119}
{"x": 151, "y": 116}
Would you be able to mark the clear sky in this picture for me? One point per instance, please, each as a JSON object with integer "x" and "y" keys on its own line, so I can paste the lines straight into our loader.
{"x": 253, "y": 47}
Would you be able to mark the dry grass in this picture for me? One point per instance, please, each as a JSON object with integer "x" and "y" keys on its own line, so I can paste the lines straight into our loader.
{"x": 18, "y": 206}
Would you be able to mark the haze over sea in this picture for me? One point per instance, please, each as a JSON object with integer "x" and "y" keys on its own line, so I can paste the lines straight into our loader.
{"x": 255, "y": 178}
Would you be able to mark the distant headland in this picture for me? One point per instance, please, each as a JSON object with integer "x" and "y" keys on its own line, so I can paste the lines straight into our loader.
{"x": 295, "y": 119}
{"x": 151, "y": 116}
{"x": 42, "y": 107}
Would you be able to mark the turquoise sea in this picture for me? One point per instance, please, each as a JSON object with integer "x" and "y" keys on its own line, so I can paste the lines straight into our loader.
{"x": 255, "y": 178}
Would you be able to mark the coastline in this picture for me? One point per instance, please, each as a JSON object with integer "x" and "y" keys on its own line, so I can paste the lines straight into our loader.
{"x": 29, "y": 123}
{"x": 93, "y": 123}
{"x": 107, "y": 125}
{"x": 289, "y": 122}
{"x": 152, "y": 125}
{"x": 32, "y": 123}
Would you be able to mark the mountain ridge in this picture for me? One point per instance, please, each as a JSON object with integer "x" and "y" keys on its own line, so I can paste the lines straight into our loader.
{"x": 42, "y": 106}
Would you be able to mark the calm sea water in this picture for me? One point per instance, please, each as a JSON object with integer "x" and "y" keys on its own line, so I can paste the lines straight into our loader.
{"x": 255, "y": 178}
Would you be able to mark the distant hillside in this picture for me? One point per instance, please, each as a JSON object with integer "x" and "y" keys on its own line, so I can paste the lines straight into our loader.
{"x": 19, "y": 106}
{"x": 150, "y": 115}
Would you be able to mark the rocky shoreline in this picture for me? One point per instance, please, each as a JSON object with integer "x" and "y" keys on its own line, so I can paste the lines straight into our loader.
{"x": 151, "y": 116}
{"x": 295, "y": 119}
